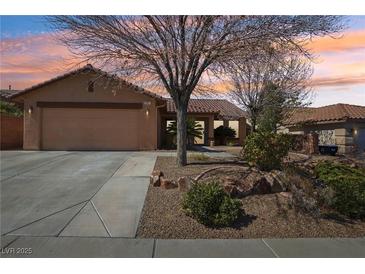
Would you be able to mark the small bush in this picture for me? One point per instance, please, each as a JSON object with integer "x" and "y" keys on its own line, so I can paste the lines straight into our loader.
{"x": 210, "y": 205}
{"x": 221, "y": 134}
{"x": 348, "y": 185}
{"x": 266, "y": 150}
{"x": 10, "y": 109}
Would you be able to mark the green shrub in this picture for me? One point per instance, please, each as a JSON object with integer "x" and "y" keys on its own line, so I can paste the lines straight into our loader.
{"x": 266, "y": 150}
{"x": 221, "y": 134}
{"x": 10, "y": 109}
{"x": 348, "y": 184}
{"x": 210, "y": 205}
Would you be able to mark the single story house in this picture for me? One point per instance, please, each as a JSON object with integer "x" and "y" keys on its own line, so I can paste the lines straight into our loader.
{"x": 88, "y": 109}
{"x": 340, "y": 124}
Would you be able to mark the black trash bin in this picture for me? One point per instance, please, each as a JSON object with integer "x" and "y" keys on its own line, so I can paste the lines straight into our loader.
{"x": 328, "y": 149}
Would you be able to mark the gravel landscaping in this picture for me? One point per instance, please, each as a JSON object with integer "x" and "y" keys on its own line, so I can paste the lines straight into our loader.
{"x": 269, "y": 215}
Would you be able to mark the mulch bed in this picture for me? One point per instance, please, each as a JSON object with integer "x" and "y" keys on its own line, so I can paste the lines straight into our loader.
{"x": 267, "y": 216}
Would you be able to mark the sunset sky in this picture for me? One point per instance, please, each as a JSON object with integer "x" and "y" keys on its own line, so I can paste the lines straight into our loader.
{"x": 30, "y": 54}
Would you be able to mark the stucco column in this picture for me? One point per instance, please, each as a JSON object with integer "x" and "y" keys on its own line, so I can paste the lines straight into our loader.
{"x": 344, "y": 140}
{"x": 210, "y": 128}
{"x": 225, "y": 123}
{"x": 241, "y": 131}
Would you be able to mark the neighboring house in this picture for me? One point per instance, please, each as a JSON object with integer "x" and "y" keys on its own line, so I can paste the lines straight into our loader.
{"x": 340, "y": 124}
{"x": 5, "y": 94}
{"x": 88, "y": 109}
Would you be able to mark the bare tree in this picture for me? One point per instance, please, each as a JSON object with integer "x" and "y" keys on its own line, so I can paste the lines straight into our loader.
{"x": 177, "y": 51}
{"x": 269, "y": 83}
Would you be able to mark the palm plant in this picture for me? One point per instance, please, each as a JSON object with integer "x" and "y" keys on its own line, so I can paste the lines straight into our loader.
{"x": 194, "y": 130}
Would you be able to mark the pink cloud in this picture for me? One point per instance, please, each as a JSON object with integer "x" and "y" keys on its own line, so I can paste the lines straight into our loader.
{"x": 28, "y": 60}
{"x": 338, "y": 81}
{"x": 340, "y": 61}
{"x": 350, "y": 40}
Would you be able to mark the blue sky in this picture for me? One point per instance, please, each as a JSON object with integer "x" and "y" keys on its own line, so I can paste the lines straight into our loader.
{"x": 18, "y": 26}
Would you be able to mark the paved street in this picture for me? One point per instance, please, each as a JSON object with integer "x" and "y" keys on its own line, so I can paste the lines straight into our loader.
{"x": 200, "y": 248}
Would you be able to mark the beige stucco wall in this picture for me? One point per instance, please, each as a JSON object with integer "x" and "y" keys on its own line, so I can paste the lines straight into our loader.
{"x": 75, "y": 89}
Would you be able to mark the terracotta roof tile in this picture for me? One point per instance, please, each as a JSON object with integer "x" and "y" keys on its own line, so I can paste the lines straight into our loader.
{"x": 338, "y": 112}
{"x": 223, "y": 108}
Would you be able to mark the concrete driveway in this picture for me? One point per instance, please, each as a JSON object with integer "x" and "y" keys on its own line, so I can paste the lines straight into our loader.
{"x": 85, "y": 194}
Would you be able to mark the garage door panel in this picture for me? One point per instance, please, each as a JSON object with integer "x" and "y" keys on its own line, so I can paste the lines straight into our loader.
{"x": 90, "y": 129}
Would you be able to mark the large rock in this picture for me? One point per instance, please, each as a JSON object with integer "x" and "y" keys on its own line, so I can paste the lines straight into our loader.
{"x": 166, "y": 183}
{"x": 230, "y": 187}
{"x": 158, "y": 173}
{"x": 262, "y": 186}
{"x": 183, "y": 183}
{"x": 276, "y": 181}
{"x": 231, "y": 190}
{"x": 155, "y": 180}
{"x": 255, "y": 183}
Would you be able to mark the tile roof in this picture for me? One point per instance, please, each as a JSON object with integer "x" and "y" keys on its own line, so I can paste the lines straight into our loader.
{"x": 223, "y": 108}
{"x": 331, "y": 113}
{"x": 87, "y": 68}
{"x": 7, "y": 93}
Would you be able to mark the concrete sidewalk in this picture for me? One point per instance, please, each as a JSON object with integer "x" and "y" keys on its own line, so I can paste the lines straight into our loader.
{"x": 43, "y": 247}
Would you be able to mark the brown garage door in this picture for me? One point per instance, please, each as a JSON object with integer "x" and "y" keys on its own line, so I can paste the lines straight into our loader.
{"x": 90, "y": 129}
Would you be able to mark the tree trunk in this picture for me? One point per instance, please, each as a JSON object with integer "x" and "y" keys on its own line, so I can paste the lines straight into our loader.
{"x": 181, "y": 113}
{"x": 253, "y": 124}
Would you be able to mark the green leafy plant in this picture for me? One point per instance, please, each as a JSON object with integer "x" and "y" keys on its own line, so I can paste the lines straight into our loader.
{"x": 194, "y": 130}
{"x": 221, "y": 133}
{"x": 266, "y": 150}
{"x": 348, "y": 185}
{"x": 210, "y": 205}
{"x": 10, "y": 109}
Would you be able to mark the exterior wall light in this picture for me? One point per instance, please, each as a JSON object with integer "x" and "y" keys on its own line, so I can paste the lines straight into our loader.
{"x": 30, "y": 110}
{"x": 146, "y": 104}
{"x": 355, "y": 131}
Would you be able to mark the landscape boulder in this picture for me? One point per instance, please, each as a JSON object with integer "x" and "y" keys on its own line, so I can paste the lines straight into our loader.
{"x": 183, "y": 184}
{"x": 155, "y": 180}
{"x": 231, "y": 190}
{"x": 276, "y": 180}
{"x": 166, "y": 183}
{"x": 255, "y": 183}
{"x": 261, "y": 186}
{"x": 158, "y": 173}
